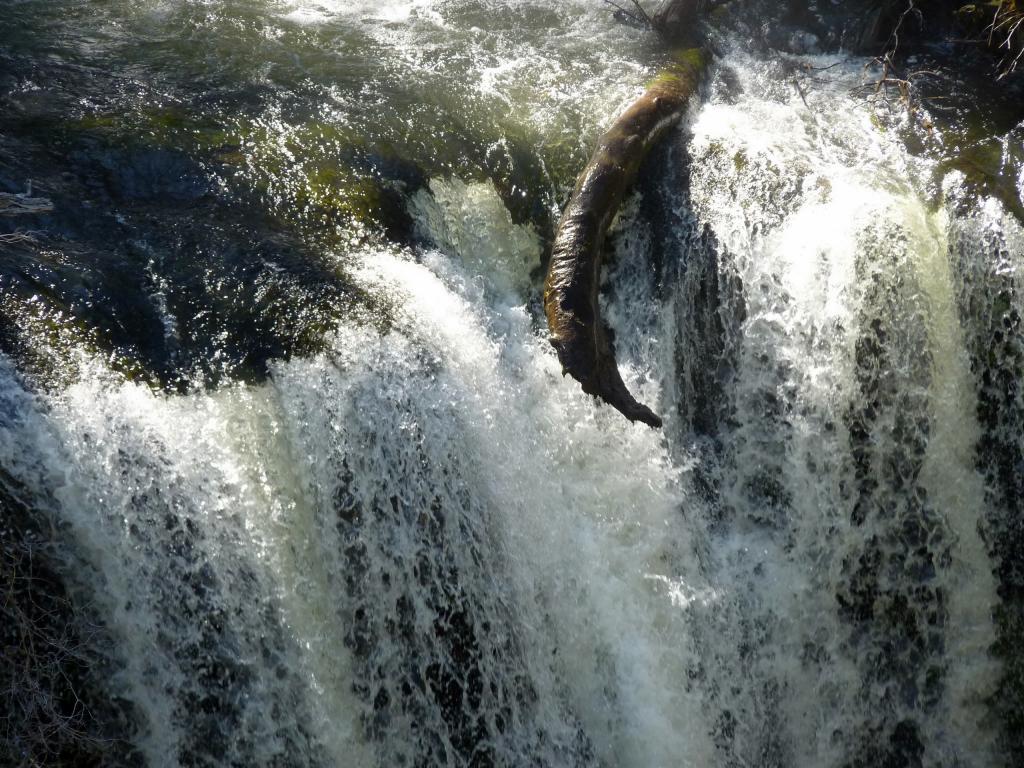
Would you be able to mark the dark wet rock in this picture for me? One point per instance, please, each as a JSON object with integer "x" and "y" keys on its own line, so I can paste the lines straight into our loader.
{"x": 153, "y": 175}
{"x": 896, "y": 746}
{"x": 55, "y": 709}
{"x": 145, "y": 259}
{"x": 792, "y": 40}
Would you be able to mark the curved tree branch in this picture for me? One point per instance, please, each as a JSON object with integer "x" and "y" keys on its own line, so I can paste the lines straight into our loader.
{"x": 578, "y": 334}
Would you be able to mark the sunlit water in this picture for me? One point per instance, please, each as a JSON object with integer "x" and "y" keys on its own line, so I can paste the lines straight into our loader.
{"x": 423, "y": 546}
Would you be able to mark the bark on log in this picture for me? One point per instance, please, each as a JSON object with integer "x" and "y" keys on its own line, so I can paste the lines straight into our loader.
{"x": 578, "y": 334}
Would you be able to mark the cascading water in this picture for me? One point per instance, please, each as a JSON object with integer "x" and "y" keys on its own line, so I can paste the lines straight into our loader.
{"x": 419, "y": 545}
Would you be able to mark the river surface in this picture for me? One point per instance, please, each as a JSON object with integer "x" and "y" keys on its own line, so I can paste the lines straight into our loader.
{"x": 276, "y": 397}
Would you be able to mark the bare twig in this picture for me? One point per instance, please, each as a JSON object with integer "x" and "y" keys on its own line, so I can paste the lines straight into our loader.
{"x": 626, "y": 13}
{"x": 643, "y": 13}
{"x": 41, "y": 712}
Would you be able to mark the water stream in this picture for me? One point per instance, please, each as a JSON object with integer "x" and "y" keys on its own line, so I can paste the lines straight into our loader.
{"x": 411, "y": 541}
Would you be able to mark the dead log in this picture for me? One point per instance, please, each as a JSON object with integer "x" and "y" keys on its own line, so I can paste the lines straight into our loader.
{"x": 579, "y": 335}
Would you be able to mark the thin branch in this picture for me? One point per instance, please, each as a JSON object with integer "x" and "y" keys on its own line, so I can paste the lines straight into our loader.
{"x": 643, "y": 13}
{"x": 628, "y": 14}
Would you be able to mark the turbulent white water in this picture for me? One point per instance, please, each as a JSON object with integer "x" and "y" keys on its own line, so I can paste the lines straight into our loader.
{"x": 425, "y": 547}
{"x": 849, "y": 504}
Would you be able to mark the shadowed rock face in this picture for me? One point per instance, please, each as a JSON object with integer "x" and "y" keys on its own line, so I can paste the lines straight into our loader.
{"x": 578, "y": 334}
{"x": 675, "y": 19}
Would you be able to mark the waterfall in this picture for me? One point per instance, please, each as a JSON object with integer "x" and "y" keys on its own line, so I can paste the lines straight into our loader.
{"x": 422, "y": 546}
{"x": 419, "y": 537}
{"x": 847, "y": 503}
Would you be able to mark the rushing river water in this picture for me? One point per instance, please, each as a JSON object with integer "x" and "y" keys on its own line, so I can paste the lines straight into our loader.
{"x": 277, "y": 405}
